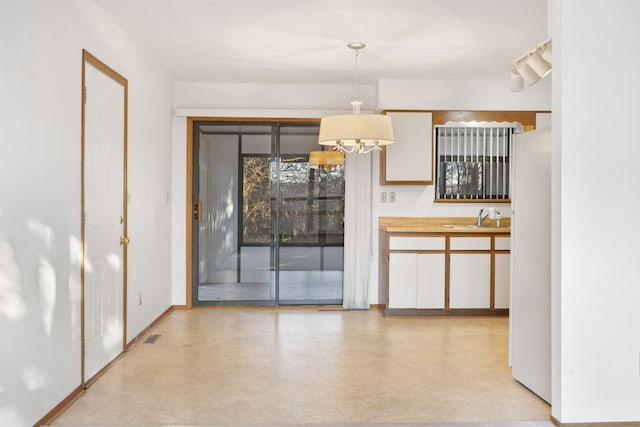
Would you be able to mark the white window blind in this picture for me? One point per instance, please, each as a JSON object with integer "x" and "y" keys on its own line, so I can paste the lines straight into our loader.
{"x": 472, "y": 163}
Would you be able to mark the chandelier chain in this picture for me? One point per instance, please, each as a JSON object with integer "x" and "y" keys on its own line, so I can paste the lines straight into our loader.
{"x": 357, "y": 54}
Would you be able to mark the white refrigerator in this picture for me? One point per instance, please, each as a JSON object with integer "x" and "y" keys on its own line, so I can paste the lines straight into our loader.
{"x": 530, "y": 312}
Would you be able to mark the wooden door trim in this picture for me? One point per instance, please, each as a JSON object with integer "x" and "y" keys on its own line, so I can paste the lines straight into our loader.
{"x": 88, "y": 58}
{"x": 189, "y": 251}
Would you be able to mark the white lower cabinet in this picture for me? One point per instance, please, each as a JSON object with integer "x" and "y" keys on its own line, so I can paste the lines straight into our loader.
{"x": 502, "y": 280}
{"x": 403, "y": 280}
{"x": 470, "y": 281}
{"x": 417, "y": 272}
{"x": 417, "y": 280}
{"x": 430, "y": 289}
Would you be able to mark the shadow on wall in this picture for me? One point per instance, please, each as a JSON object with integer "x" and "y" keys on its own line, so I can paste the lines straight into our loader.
{"x": 39, "y": 318}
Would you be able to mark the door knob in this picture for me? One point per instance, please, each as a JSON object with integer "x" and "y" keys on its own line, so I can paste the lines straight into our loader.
{"x": 124, "y": 240}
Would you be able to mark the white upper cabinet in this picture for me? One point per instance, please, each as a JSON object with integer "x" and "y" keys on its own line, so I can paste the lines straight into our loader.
{"x": 409, "y": 161}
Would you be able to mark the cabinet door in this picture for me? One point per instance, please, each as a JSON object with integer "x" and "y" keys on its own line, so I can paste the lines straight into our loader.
{"x": 403, "y": 277}
{"x": 470, "y": 281}
{"x": 408, "y": 161}
{"x": 430, "y": 287}
{"x": 502, "y": 280}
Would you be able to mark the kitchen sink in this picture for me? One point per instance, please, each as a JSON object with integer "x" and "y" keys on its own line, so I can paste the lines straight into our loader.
{"x": 469, "y": 226}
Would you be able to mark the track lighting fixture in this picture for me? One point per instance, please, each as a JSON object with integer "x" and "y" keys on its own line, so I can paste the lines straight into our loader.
{"x": 533, "y": 66}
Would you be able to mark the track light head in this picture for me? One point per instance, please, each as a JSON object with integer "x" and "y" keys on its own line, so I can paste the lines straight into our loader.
{"x": 527, "y": 73}
{"x": 541, "y": 67}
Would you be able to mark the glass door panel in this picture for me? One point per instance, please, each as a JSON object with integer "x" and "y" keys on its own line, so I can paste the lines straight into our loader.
{"x": 235, "y": 228}
{"x": 311, "y": 228}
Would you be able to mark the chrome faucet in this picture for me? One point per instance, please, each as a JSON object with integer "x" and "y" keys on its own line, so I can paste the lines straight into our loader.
{"x": 481, "y": 218}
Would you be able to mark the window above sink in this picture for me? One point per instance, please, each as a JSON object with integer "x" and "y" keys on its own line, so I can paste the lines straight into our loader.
{"x": 473, "y": 161}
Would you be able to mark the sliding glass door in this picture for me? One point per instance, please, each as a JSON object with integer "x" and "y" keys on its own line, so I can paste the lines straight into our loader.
{"x": 268, "y": 229}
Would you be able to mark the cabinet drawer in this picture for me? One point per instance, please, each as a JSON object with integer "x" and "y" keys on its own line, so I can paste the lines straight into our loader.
{"x": 471, "y": 243}
{"x": 503, "y": 243}
{"x": 417, "y": 243}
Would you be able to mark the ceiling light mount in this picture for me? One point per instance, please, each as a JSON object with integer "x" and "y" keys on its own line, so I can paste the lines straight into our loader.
{"x": 356, "y": 46}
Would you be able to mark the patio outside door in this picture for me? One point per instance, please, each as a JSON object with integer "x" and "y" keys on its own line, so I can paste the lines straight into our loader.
{"x": 267, "y": 228}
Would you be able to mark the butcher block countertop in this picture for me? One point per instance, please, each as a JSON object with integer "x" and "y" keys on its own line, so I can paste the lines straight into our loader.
{"x": 452, "y": 225}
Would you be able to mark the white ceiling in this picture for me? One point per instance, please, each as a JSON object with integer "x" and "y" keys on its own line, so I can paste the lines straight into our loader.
{"x": 304, "y": 41}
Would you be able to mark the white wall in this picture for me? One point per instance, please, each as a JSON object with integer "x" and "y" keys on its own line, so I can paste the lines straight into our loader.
{"x": 40, "y": 82}
{"x": 150, "y": 184}
{"x": 253, "y": 100}
{"x": 554, "y": 8}
{"x": 462, "y": 95}
{"x": 179, "y": 211}
{"x": 263, "y": 96}
{"x": 596, "y": 311}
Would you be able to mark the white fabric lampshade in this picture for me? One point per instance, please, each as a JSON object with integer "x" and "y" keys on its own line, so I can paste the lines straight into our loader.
{"x": 325, "y": 159}
{"x": 370, "y": 129}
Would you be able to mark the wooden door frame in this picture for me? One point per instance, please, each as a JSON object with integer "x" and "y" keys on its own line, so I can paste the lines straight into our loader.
{"x": 88, "y": 58}
{"x": 191, "y": 120}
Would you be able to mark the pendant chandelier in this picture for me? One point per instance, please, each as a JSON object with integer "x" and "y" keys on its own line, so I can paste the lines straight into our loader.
{"x": 356, "y": 133}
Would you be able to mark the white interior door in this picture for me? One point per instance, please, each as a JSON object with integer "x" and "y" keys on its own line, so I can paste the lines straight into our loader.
{"x": 104, "y": 211}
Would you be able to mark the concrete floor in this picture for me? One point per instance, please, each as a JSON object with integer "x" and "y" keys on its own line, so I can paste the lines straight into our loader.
{"x": 300, "y": 366}
{"x": 310, "y": 286}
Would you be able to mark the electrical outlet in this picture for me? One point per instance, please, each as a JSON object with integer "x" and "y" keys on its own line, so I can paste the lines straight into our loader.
{"x": 392, "y": 196}
{"x": 383, "y": 197}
